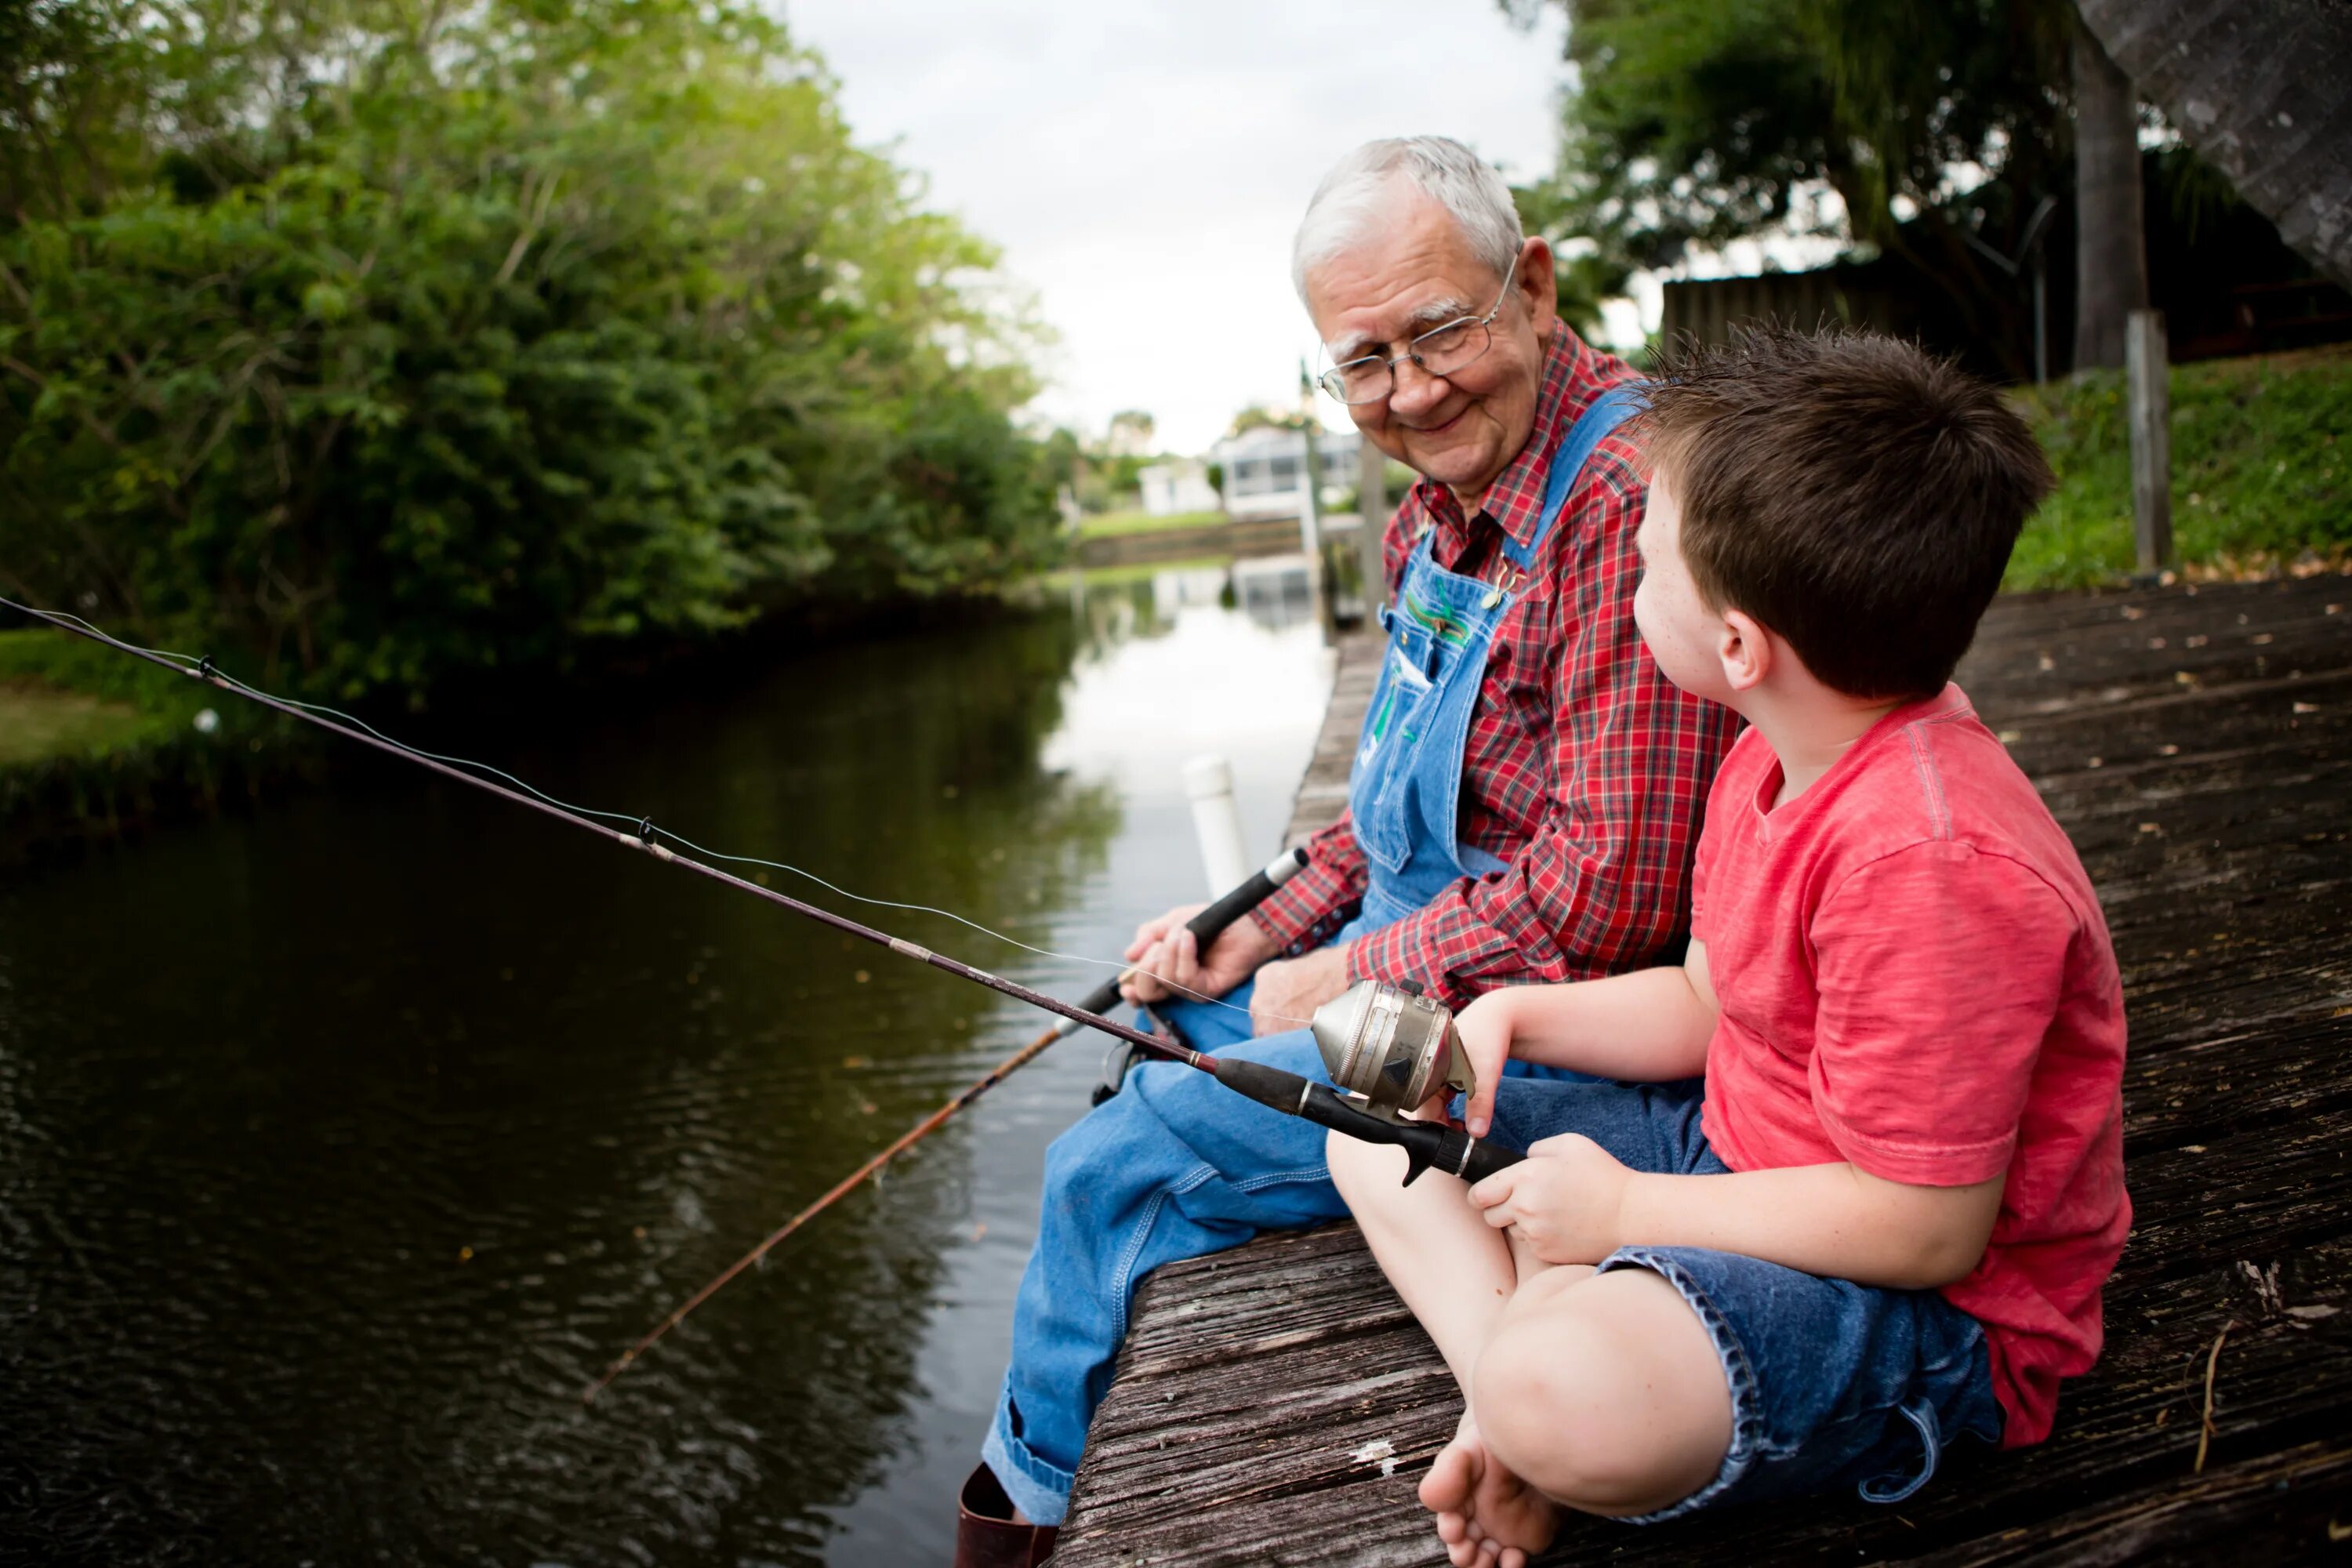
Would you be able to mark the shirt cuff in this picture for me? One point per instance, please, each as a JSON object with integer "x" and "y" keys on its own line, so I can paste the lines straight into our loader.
{"x": 1304, "y": 911}
{"x": 1914, "y": 1162}
{"x": 1430, "y": 947}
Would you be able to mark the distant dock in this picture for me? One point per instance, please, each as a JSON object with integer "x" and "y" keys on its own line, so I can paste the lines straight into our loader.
{"x": 1323, "y": 792}
{"x": 1277, "y": 1404}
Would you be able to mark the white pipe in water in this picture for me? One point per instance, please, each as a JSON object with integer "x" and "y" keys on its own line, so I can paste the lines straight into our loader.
{"x": 1209, "y": 781}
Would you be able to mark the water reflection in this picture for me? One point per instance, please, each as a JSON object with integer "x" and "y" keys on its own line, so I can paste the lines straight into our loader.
{"x": 339, "y": 1147}
{"x": 1174, "y": 591}
{"x": 1277, "y": 593}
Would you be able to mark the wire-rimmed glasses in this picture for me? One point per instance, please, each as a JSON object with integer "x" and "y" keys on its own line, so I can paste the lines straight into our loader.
{"x": 1441, "y": 350}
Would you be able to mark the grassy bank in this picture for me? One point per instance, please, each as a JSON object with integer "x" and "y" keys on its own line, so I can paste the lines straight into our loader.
{"x": 1054, "y": 585}
{"x": 2261, "y": 471}
{"x": 1119, "y": 524}
{"x": 38, "y": 721}
{"x": 92, "y": 740}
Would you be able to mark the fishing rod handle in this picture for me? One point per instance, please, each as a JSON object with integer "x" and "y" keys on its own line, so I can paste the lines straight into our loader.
{"x": 1211, "y": 923}
{"x": 1483, "y": 1159}
{"x": 1254, "y": 890}
{"x": 1427, "y": 1145}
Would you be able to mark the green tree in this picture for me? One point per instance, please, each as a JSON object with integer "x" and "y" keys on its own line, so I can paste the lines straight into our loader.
{"x": 1131, "y": 430}
{"x": 389, "y": 340}
{"x": 2110, "y": 228}
{"x": 1690, "y": 123}
{"x": 1266, "y": 417}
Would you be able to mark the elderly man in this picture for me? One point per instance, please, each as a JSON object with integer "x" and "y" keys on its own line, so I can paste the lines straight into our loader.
{"x": 1522, "y": 806}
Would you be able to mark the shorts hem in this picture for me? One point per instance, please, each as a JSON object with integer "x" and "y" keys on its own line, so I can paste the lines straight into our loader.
{"x": 1746, "y": 1398}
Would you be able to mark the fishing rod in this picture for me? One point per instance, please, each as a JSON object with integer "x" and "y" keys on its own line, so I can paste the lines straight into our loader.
{"x": 1381, "y": 1042}
{"x": 1205, "y": 926}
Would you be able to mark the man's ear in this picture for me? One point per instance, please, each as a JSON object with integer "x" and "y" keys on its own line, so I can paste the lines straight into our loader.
{"x": 1535, "y": 284}
{"x": 1745, "y": 649}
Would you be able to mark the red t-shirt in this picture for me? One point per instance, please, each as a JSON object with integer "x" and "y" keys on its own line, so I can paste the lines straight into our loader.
{"x": 1915, "y": 979}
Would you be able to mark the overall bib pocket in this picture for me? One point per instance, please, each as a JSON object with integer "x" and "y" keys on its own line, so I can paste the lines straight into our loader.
{"x": 1404, "y": 790}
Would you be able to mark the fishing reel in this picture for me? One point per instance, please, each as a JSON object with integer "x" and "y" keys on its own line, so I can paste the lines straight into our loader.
{"x": 1389, "y": 1048}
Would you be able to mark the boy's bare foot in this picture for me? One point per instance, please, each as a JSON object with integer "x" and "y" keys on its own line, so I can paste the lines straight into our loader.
{"x": 1487, "y": 1516}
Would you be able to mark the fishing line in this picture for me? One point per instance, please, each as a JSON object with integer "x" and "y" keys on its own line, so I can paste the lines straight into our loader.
{"x": 76, "y": 622}
{"x": 1428, "y": 1146}
{"x": 189, "y": 664}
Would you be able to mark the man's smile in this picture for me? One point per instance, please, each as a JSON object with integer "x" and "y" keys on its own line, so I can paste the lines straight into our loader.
{"x": 1435, "y": 429}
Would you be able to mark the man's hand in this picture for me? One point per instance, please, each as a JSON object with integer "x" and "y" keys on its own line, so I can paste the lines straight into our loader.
{"x": 1566, "y": 1198}
{"x": 1168, "y": 962}
{"x": 1288, "y": 993}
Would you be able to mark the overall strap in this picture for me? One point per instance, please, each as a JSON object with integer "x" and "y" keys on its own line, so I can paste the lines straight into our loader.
{"x": 1603, "y": 415}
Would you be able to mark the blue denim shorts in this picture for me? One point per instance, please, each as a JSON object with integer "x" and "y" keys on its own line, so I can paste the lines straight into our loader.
{"x": 1833, "y": 1385}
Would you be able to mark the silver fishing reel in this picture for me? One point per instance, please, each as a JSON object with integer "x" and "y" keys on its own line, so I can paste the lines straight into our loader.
{"x": 1390, "y": 1047}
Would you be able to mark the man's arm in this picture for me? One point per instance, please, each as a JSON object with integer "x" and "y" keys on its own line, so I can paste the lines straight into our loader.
{"x": 1603, "y": 881}
{"x": 1323, "y": 893}
{"x": 1320, "y": 897}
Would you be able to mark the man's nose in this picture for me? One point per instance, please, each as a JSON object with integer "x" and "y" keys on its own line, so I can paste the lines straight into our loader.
{"x": 1417, "y": 392}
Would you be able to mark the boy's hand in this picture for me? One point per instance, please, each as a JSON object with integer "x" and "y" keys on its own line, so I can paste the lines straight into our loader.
{"x": 1566, "y": 1198}
{"x": 1484, "y": 1027}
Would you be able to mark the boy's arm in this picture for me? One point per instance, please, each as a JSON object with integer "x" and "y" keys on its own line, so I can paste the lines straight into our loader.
{"x": 1920, "y": 1071}
{"x": 1649, "y": 1026}
{"x": 1834, "y": 1220}
{"x": 1575, "y": 1203}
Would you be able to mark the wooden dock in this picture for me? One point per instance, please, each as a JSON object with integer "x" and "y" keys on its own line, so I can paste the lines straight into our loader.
{"x": 1277, "y": 1404}
{"x": 1323, "y": 792}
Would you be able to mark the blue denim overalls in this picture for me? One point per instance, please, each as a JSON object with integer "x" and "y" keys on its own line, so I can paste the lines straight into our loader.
{"x": 1176, "y": 1166}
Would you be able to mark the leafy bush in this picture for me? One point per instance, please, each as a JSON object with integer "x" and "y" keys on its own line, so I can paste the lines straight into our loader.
{"x": 414, "y": 344}
{"x": 2260, "y": 470}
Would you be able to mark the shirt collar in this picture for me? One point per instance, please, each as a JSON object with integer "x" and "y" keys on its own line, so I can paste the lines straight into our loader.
{"x": 1949, "y": 703}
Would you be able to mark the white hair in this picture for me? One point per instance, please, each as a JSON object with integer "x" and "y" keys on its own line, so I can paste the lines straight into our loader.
{"x": 1359, "y": 192}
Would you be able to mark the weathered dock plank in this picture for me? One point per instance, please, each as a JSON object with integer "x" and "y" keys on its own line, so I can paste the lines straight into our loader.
{"x": 1323, "y": 792}
{"x": 1277, "y": 1404}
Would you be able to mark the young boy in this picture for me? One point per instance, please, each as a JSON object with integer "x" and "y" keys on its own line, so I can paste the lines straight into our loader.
{"x": 1882, "y": 1216}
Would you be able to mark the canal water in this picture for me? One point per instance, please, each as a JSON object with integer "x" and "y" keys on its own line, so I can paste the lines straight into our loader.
{"x": 343, "y": 1143}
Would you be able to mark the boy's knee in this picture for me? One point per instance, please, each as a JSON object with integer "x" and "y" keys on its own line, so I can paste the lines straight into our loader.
{"x": 1364, "y": 1173}
{"x": 1349, "y": 1160}
{"x": 1550, "y": 1410}
{"x": 1597, "y": 1404}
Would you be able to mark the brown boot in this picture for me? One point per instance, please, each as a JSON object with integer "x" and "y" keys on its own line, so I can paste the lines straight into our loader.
{"x": 986, "y": 1536}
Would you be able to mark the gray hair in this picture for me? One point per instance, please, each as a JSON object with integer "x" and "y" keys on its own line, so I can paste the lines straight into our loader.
{"x": 1357, "y": 192}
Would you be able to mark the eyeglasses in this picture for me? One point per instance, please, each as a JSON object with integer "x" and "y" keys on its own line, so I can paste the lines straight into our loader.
{"x": 1441, "y": 350}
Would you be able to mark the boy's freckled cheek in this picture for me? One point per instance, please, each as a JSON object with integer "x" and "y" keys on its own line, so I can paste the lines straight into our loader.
{"x": 1645, "y": 617}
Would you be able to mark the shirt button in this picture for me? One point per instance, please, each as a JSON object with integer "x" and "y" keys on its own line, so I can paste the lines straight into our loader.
{"x": 1501, "y": 656}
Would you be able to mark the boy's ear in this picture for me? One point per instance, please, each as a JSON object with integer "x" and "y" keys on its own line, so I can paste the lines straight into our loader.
{"x": 1745, "y": 649}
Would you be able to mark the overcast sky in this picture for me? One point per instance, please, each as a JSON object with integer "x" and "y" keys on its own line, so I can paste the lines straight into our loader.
{"x": 1143, "y": 163}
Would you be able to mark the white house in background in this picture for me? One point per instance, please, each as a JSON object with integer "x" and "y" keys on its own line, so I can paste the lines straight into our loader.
{"x": 1263, "y": 468}
{"x": 1172, "y": 488}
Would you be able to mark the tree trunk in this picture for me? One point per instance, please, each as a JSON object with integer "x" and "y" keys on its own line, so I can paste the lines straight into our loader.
{"x": 2110, "y": 230}
{"x": 2262, "y": 90}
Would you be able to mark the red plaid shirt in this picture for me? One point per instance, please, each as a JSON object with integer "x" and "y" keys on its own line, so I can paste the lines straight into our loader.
{"x": 1586, "y": 771}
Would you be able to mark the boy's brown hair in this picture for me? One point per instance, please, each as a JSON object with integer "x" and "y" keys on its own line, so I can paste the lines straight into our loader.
{"x": 1852, "y": 492}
